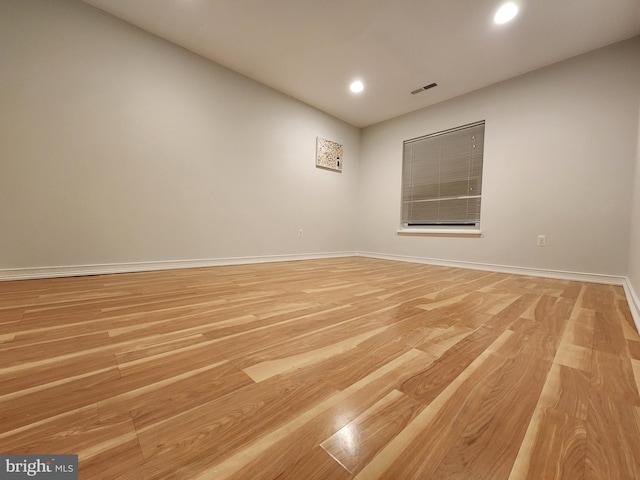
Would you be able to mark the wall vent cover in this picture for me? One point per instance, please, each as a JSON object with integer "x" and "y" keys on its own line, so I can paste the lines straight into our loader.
{"x": 422, "y": 89}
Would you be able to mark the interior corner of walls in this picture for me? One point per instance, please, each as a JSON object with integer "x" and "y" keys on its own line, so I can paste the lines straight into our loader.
{"x": 545, "y": 98}
{"x": 198, "y": 131}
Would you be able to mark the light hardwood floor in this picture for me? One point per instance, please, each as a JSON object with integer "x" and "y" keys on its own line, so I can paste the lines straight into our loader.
{"x": 348, "y": 368}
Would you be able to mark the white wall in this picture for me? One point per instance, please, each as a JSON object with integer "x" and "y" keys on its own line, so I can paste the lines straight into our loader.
{"x": 117, "y": 146}
{"x": 633, "y": 273}
{"x": 560, "y": 146}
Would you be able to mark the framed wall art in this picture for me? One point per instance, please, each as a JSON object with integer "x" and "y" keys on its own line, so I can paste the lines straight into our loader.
{"x": 328, "y": 154}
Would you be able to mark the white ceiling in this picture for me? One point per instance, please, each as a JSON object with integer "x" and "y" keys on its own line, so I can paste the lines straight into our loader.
{"x": 312, "y": 49}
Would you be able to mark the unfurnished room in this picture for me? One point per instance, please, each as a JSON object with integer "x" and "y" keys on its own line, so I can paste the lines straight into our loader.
{"x": 320, "y": 240}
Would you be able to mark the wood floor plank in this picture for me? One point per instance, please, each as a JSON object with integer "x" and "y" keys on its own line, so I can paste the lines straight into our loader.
{"x": 608, "y": 335}
{"x": 349, "y": 367}
{"x": 488, "y": 449}
{"x": 82, "y": 432}
{"x": 399, "y": 337}
{"x": 613, "y": 439}
{"x": 572, "y": 290}
{"x": 25, "y": 409}
{"x": 268, "y": 368}
{"x": 634, "y": 349}
{"x": 559, "y": 420}
{"x": 17, "y": 379}
{"x": 567, "y": 392}
{"x": 338, "y": 368}
{"x": 418, "y": 450}
{"x": 426, "y": 386}
{"x": 612, "y": 375}
{"x": 439, "y": 340}
{"x": 316, "y": 465}
{"x": 355, "y": 444}
{"x": 574, "y": 356}
{"x": 210, "y": 433}
{"x": 10, "y": 315}
{"x": 635, "y": 365}
{"x": 157, "y": 348}
{"x": 15, "y": 355}
{"x": 289, "y": 443}
{"x": 123, "y": 456}
{"x": 559, "y": 451}
{"x": 158, "y": 402}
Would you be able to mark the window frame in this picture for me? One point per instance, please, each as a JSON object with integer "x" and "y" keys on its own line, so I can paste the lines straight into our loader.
{"x": 443, "y": 229}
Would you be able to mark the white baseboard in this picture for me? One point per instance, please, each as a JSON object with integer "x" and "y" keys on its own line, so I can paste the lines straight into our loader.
{"x": 632, "y": 298}
{"x": 104, "y": 269}
{"x": 532, "y": 272}
{"x": 82, "y": 270}
{"x": 634, "y": 302}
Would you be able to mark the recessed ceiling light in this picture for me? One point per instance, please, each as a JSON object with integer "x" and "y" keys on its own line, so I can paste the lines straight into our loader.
{"x": 506, "y": 13}
{"x": 356, "y": 86}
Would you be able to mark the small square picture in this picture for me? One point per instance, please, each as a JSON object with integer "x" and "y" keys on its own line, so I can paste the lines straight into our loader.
{"x": 328, "y": 154}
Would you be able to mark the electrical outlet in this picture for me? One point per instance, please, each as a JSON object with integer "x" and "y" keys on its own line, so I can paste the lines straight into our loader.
{"x": 300, "y": 233}
{"x": 542, "y": 240}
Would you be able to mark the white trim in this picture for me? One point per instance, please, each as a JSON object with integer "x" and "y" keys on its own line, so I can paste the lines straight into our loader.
{"x": 104, "y": 269}
{"x": 533, "y": 272}
{"x": 634, "y": 302}
{"x": 453, "y": 232}
{"x": 630, "y": 294}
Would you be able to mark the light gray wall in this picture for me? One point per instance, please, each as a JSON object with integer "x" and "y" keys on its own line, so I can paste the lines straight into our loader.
{"x": 117, "y": 146}
{"x": 560, "y": 146}
{"x": 634, "y": 251}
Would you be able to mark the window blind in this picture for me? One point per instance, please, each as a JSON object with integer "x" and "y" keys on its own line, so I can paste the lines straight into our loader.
{"x": 442, "y": 178}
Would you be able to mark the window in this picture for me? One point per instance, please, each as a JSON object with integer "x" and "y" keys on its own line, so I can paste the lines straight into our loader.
{"x": 442, "y": 179}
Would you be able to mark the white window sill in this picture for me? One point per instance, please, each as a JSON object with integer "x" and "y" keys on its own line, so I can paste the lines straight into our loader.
{"x": 445, "y": 232}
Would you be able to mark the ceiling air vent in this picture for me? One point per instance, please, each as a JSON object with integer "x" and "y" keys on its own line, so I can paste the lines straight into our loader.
{"x": 422, "y": 89}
